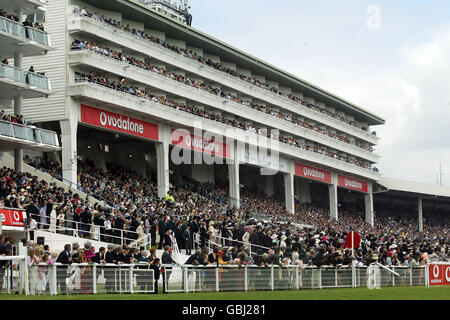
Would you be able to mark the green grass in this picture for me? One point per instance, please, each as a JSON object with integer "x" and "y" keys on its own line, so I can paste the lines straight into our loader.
{"x": 397, "y": 293}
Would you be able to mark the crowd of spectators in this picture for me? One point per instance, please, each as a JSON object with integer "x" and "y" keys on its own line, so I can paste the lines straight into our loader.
{"x": 136, "y": 91}
{"x": 193, "y": 56}
{"x": 27, "y": 23}
{"x": 103, "y": 50}
{"x": 260, "y": 225}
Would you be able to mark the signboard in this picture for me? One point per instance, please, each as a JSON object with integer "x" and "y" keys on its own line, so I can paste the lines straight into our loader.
{"x": 120, "y": 123}
{"x": 312, "y": 173}
{"x": 12, "y": 218}
{"x": 182, "y": 138}
{"x": 356, "y": 240}
{"x": 439, "y": 274}
{"x": 351, "y": 183}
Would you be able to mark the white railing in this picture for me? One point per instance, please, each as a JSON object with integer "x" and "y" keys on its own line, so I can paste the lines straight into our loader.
{"x": 273, "y": 277}
{"x": 83, "y": 230}
{"x": 24, "y": 77}
{"x": 29, "y": 133}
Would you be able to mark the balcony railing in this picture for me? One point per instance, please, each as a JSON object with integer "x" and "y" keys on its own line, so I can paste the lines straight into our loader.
{"x": 24, "y": 77}
{"x": 19, "y": 30}
{"x": 32, "y": 134}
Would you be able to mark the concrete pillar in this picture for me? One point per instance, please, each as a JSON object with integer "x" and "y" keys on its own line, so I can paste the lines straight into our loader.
{"x": 18, "y": 104}
{"x": 162, "y": 160}
{"x": 233, "y": 176}
{"x": 332, "y": 192}
{"x": 419, "y": 209}
{"x": 69, "y": 151}
{"x": 368, "y": 201}
{"x": 269, "y": 188}
{"x": 289, "y": 191}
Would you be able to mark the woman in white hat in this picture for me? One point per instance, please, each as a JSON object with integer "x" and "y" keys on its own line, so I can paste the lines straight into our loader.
{"x": 53, "y": 219}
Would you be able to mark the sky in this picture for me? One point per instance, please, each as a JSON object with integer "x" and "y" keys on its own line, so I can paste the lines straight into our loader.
{"x": 391, "y": 58}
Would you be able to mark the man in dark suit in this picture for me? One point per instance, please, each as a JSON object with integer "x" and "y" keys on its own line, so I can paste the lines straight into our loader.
{"x": 166, "y": 258}
{"x": 188, "y": 239}
{"x": 61, "y": 271}
{"x": 99, "y": 256}
{"x": 32, "y": 211}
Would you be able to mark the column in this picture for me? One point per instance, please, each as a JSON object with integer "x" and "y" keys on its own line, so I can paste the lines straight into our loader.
{"x": 289, "y": 191}
{"x": 162, "y": 160}
{"x": 419, "y": 209}
{"x": 332, "y": 191}
{"x": 233, "y": 176}
{"x": 18, "y": 110}
{"x": 368, "y": 201}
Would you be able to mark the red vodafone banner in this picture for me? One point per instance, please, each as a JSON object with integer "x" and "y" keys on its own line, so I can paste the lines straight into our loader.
{"x": 439, "y": 274}
{"x": 12, "y": 218}
{"x": 186, "y": 140}
{"x": 312, "y": 173}
{"x": 351, "y": 183}
{"x": 118, "y": 122}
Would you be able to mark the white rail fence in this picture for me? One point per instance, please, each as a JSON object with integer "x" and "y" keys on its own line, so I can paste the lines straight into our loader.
{"x": 87, "y": 278}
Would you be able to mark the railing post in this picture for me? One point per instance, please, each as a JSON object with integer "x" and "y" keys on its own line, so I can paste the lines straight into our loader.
{"x": 54, "y": 283}
{"x": 245, "y": 279}
{"x": 393, "y": 277}
{"x": 131, "y": 279}
{"x": 121, "y": 236}
{"x": 186, "y": 282}
{"x": 272, "y": 280}
{"x": 297, "y": 286}
{"x": 410, "y": 277}
{"x": 320, "y": 278}
{"x": 353, "y": 277}
{"x": 94, "y": 279}
{"x": 217, "y": 279}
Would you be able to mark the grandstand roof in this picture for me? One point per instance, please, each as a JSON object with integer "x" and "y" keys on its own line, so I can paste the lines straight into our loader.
{"x": 176, "y": 29}
{"x": 414, "y": 187}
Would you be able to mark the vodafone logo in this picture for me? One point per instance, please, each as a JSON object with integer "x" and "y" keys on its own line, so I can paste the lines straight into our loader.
{"x": 436, "y": 271}
{"x": 313, "y": 173}
{"x": 16, "y": 216}
{"x": 124, "y": 124}
{"x": 353, "y": 184}
{"x": 3, "y": 217}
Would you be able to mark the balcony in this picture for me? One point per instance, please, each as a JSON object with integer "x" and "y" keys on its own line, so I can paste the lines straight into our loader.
{"x": 98, "y": 30}
{"x": 28, "y": 6}
{"x": 14, "y": 135}
{"x": 155, "y": 80}
{"x": 14, "y": 81}
{"x": 15, "y": 38}
{"x": 126, "y": 103}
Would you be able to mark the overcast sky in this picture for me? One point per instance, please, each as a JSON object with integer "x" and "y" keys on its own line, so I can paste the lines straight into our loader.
{"x": 389, "y": 57}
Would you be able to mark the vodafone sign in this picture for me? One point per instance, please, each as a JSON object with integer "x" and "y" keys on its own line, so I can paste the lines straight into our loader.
{"x": 312, "y": 173}
{"x": 12, "y": 218}
{"x": 439, "y": 274}
{"x": 351, "y": 183}
{"x": 118, "y": 122}
{"x": 183, "y": 139}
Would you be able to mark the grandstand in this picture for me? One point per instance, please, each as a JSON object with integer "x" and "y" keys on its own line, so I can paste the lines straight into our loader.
{"x": 148, "y": 118}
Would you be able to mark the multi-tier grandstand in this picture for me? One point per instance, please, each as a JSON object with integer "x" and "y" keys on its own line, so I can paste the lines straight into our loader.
{"x": 124, "y": 129}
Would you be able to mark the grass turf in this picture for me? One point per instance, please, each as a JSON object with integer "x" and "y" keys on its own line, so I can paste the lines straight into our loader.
{"x": 388, "y": 293}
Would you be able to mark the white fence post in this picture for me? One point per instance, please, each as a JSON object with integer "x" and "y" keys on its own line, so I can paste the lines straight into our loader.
{"x": 410, "y": 277}
{"x": 54, "y": 283}
{"x": 94, "y": 279}
{"x": 245, "y": 279}
{"x": 320, "y": 278}
{"x": 271, "y": 279}
{"x": 186, "y": 280}
{"x": 131, "y": 280}
{"x": 217, "y": 279}
{"x": 296, "y": 278}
